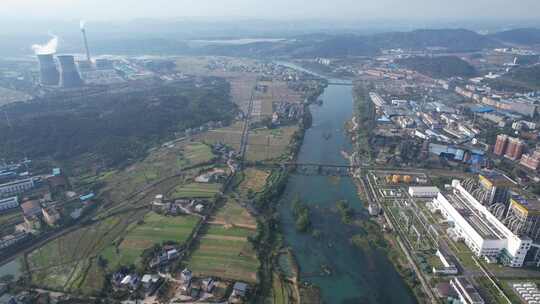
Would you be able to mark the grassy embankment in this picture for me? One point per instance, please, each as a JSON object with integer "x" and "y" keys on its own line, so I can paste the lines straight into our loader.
{"x": 365, "y": 118}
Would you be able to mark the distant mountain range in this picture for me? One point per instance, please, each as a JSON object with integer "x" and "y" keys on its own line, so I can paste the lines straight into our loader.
{"x": 302, "y": 45}
{"x": 449, "y": 40}
{"x": 524, "y": 36}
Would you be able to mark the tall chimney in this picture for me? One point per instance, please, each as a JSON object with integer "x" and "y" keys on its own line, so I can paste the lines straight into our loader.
{"x": 69, "y": 76}
{"x": 83, "y": 30}
{"x": 48, "y": 71}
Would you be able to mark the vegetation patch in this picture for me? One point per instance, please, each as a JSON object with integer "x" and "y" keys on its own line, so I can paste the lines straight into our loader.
{"x": 254, "y": 180}
{"x": 301, "y": 215}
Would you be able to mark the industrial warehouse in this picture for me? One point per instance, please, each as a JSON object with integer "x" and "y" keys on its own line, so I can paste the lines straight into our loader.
{"x": 485, "y": 235}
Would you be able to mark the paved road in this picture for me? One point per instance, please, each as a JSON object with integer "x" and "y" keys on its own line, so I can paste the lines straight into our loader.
{"x": 245, "y": 130}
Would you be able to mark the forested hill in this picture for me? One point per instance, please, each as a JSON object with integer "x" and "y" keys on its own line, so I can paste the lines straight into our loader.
{"x": 113, "y": 128}
{"x": 439, "y": 67}
{"x": 523, "y": 79}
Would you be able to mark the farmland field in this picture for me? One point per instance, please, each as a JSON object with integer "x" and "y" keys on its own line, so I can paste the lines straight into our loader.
{"x": 225, "y": 253}
{"x": 64, "y": 263}
{"x": 196, "y": 190}
{"x": 266, "y": 144}
{"x": 230, "y": 136}
{"x": 161, "y": 163}
{"x": 232, "y": 214}
{"x": 154, "y": 229}
{"x": 254, "y": 179}
{"x": 69, "y": 262}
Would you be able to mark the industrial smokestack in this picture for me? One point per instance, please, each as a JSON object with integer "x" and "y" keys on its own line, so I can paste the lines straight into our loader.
{"x": 69, "y": 77}
{"x": 47, "y": 67}
{"x": 83, "y": 31}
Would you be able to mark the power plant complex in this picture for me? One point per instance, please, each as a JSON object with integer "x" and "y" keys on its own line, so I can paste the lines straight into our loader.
{"x": 64, "y": 73}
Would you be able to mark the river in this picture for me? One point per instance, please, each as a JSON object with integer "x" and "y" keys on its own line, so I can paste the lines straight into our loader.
{"x": 357, "y": 275}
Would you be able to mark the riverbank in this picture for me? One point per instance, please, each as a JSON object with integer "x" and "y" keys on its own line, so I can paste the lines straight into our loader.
{"x": 392, "y": 248}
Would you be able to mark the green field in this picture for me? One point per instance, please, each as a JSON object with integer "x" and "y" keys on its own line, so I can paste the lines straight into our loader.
{"x": 154, "y": 229}
{"x": 195, "y": 153}
{"x": 225, "y": 253}
{"x": 196, "y": 190}
{"x": 160, "y": 164}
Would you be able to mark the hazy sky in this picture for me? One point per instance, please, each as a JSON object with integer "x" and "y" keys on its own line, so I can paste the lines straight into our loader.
{"x": 270, "y": 9}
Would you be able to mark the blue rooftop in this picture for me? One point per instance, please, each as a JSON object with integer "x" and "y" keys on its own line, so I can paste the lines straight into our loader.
{"x": 482, "y": 109}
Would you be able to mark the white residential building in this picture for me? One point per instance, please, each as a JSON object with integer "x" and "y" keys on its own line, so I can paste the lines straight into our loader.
{"x": 482, "y": 232}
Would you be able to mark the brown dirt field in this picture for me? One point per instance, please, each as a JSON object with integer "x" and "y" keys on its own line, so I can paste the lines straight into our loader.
{"x": 224, "y": 238}
{"x": 209, "y": 248}
{"x": 136, "y": 244}
{"x": 246, "y": 226}
{"x": 232, "y": 213}
{"x": 255, "y": 179}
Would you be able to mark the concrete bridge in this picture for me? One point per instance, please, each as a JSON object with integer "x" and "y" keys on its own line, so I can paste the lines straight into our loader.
{"x": 313, "y": 168}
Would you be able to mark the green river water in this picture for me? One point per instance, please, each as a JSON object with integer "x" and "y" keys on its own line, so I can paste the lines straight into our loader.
{"x": 358, "y": 275}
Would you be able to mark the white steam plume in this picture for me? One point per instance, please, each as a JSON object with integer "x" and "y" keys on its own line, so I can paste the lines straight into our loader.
{"x": 47, "y": 48}
{"x": 82, "y": 24}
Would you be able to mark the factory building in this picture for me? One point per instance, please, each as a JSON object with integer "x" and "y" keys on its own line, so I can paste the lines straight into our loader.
{"x": 491, "y": 187}
{"x": 48, "y": 73}
{"x": 69, "y": 76}
{"x": 16, "y": 187}
{"x": 9, "y": 203}
{"x": 466, "y": 292}
{"x": 523, "y": 216}
{"x": 427, "y": 192}
{"x": 480, "y": 230}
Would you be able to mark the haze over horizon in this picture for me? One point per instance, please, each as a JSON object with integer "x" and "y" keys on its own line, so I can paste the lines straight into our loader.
{"x": 103, "y": 10}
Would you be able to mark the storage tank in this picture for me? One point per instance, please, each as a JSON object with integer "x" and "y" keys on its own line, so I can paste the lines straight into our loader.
{"x": 69, "y": 76}
{"x": 407, "y": 179}
{"x": 48, "y": 73}
{"x": 396, "y": 178}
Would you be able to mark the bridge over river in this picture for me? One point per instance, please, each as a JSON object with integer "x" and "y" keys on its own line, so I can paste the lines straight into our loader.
{"x": 312, "y": 168}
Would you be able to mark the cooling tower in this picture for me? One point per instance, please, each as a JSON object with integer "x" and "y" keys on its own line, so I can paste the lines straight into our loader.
{"x": 47, "y": 68}
{"x": 69, "y": 75}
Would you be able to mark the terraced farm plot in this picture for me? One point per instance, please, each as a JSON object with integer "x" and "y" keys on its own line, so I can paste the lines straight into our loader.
{"x": 225, "y": 253}
{"x": 155, "y": 229}
{"x": 196, "y": 190}
{"x": 232, "y": 214}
